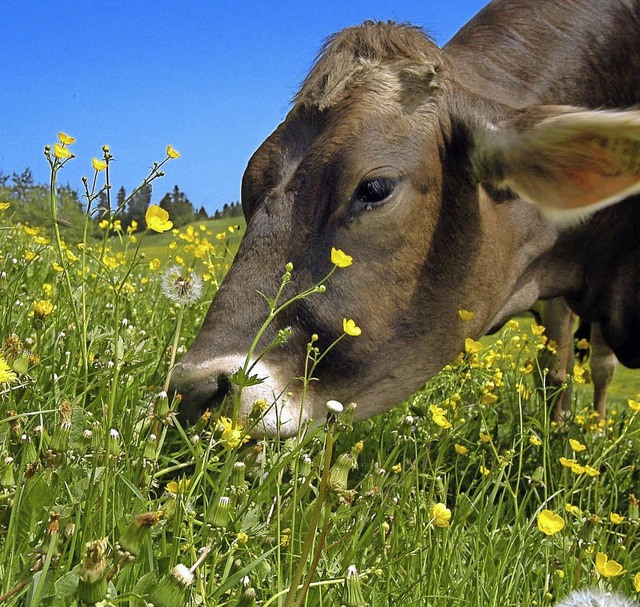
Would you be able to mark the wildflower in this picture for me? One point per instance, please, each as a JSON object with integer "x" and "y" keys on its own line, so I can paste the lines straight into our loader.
{"x": 7, "y": 375}
{"x": 172, "y": 152}
{"x": 608, "y": 568}
{"x": 636, "y": 582}
{"x": 179, "y": 486}
{"x": 339, "y": 473}
{"x": 466, "y": 315}
{"x": 460, "y": 449}
{"x": 157, "y": 219}
{"x": 396, "y": 469}
{"x": 549, "y": 522}
{"x": 92, "y": 585}
{"x": 441, "y": 515}
{"x": 130, "y": 543}
{"x": 98, "y": 165}
{"x": 242, "y": 538}
{"x": 534, "y": 440}
{"x": 334, "y": 406}
{"x": 634, "y": 405}
{"x": 183, "y": 289}
{"x": 61, "y": 152}
{"x": 352, "y": 595}
{"x": 154, "y": 264}
{"x": 349, "y": 326}
{"x": 340, "y": 259}
{"x": 513, "y": 325}
{"x": 577, "y": 446}
{"x": 537, "y": 329}
{"x": 484, "y": 471}
{"x": 4, "y": 206}
{"x": 572, "y": 509}
{"x": 171, "y": 590}
{"x": 567, "y": 463}
{"x": 232, "y": 436}
{"x": 616, "y": 518}
{"x": 576, "y": 468}
{"x": 579, "y": 374}
{"x": 220, "y": 514}
{"x": 65, "y": 139}
{"x": 485, "y": 438}
{"x": 471, "y": 346}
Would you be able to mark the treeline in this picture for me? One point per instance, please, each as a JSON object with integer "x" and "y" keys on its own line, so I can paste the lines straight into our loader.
{"x": 30, "y": 204}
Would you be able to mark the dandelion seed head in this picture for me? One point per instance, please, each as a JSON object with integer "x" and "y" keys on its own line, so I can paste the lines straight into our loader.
{"x": 180, "y": 285}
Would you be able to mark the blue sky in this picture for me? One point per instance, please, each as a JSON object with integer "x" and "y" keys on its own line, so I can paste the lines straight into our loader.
{"x": 213, "y": 78}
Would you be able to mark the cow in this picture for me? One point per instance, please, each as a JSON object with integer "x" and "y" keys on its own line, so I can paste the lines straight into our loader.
{"x": 427, "y": 165}
{"x": 556, "y": 366}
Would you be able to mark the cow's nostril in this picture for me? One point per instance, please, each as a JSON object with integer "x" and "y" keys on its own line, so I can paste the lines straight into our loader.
{"x": 198, "y": 393}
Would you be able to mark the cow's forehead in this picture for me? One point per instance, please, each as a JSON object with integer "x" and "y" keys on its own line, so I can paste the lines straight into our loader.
{"x": 385, "y": 58}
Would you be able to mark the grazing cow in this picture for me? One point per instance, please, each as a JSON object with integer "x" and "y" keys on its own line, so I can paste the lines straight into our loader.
{"x": 421, "y": 163}
{"x": 559, "y": 321}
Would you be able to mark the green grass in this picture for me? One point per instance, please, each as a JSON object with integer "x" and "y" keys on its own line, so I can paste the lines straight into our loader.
{"x": 101, "y": 493}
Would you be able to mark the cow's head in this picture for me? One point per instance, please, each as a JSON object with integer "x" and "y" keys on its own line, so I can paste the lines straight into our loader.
{"x": 377, "y": 158}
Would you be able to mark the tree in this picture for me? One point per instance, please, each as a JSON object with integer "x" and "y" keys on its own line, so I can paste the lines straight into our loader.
{"x": 202, "y": 215}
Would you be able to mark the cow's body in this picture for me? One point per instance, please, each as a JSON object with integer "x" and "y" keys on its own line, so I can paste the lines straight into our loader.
{"x": 417, "y": 162}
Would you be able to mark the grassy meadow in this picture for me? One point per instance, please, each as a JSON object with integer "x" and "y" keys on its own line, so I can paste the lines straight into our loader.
{"x": 464, "y": 495}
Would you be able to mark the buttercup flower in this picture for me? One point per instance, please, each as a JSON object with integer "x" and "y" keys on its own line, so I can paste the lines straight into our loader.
{"x": 634, "y": 405}
{"x": 232, "y": 436}
{"x": 4, "y": 206}
{"x": 472, "y": 346}
{"x": 606, "y": 567}
{"x": 636, "y": 582}
{"x": 157, "y": 219}
{"x": 576, "y": 445}
{"x": 616, "y": 518}
{"x": 460, "y": 449}
{"x": 43, "y": 307}
{"x": 534, "y": 440}
{"x": 60, "y": 152}
{"x": 340, "y": 259}
{"x": 549, "y": 522}
{"x": 441, "y": 515}
{"x": 98, "y": 165}
{"x": 349, "y": 326}
{"x": 65, "y": 139}
{"x": 466, "y": 315}
{"x": 6, "y": 373}
{"x": 172, "y": 153}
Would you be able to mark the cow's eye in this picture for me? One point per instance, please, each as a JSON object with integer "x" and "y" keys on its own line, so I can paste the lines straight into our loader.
{"x": 375, "y": 191}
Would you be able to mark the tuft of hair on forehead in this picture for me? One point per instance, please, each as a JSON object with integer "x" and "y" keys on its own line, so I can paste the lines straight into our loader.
{"x": 351, "y": 57}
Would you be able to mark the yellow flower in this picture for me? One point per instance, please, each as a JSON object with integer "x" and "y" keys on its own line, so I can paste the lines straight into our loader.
{"x": 489, "y": 398}
{"x": 232, "y": 436}
{"x": 534, "y": 440}
{"x": 537, "y": 329}
{"x": 98, "y": 165}
{"x": 340, "y": 259}
{"x": 350, "y": 327}
{"x": 441, "y": 421}
{"x": 576, "y": 445}
{"x": 573, "y": 509}
{"x": 485, "y": 438}
{"x": 484, "y": 471}
{"x": 549, "y": 522}
{"x": 180, "y": 486}
{"x": 567, "y": 463}
{"x": 242, "y": 538}
{"x": 4, "y": 206}
{"x": 172, "y": 153}
{"x": 71, "y": 256}
{"x": 154, "y": 264}
{"x": 513, "y": 325}
{"x": 43, "y": 307}
{"x": 65, "y": 139}
{"x": 460, "y": 449}
{"x": 441, "y": 515}
{"x": 579, "y": 374}
{"x": 157, "y": 219}
{"x": 466, "y": 315}
{"x": 582, "y": 344}
{"x": 589, "y": 471}
{"x": 472, "y": 346}
{"x": 576, "y": 468}
{"x": 634, "y": 405}
{"x": 636, "y": 582}
{"x": 60, "y": 152}
{"x": 7, "y": 375}
{"x": 607, "y": 568}
{"x": 616, "y": 518}
{"x": 396, "y": 469}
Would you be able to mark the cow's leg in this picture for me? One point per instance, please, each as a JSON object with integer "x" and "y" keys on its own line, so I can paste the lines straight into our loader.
{"x": 603, "y": 365}
{"x": 558, "y": 319}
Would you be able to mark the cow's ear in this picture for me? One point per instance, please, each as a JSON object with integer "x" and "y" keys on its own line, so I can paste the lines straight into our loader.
{"x": 567, "y": 161}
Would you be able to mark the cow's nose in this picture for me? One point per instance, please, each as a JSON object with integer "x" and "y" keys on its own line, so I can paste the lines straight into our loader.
{"x": 200, "y": 389}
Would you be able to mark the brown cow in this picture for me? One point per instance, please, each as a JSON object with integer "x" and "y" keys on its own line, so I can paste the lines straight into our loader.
{"x": 419, "y": 162}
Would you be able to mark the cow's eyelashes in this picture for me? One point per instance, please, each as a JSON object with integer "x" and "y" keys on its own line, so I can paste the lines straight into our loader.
{"x": 374, "y": 191}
